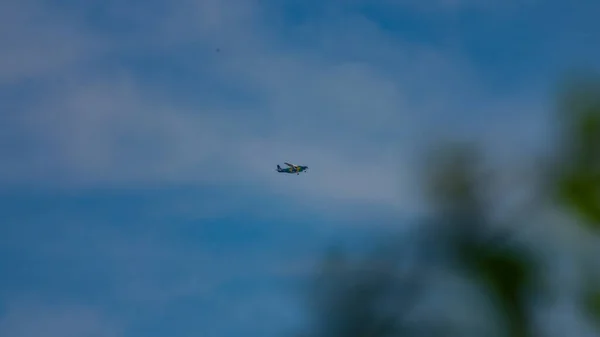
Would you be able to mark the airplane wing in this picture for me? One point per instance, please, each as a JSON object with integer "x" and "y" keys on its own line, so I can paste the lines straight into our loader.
{"x": 291, "y": 165}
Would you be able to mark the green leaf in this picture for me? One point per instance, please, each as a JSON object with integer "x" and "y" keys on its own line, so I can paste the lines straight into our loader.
{"x": 592, "y": 305}
{"x": 506, "y": 273}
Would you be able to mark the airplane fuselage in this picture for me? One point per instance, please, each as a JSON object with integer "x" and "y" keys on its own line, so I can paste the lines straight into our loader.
{"x": 296, "y": 169}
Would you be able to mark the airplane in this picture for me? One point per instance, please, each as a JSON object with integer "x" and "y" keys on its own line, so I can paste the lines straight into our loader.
{"x": 292, "y": 168}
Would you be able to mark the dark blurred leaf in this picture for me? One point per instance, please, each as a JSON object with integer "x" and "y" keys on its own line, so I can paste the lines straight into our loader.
{"x": 578, "y": 182}
{"x": 592, "y": 304}
{"x": 507, "y": 274}
{"x": 579, "y": 191}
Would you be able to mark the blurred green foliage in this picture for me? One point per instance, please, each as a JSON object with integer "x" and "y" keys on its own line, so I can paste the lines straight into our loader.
{"x": 578, "y": 184}
{"x": 592, "y": 304}
{"x": 578, "y": 181}
{"x": 371, "y": 298}
{"x": 506, "y": 273}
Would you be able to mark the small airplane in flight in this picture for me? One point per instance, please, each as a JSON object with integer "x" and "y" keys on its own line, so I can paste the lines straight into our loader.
{"x": 292, "y": 168}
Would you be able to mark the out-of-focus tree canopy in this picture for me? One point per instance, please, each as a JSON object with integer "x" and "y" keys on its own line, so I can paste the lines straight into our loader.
{"x": 377, "y": 298}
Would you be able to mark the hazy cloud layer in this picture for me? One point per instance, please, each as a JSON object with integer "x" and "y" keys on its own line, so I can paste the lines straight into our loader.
{"x": 31, "y": 319}
{"x": 203, "y": 91}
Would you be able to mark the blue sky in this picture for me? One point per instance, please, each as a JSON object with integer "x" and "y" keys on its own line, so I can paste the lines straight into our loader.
{"x": 139, "y": 193}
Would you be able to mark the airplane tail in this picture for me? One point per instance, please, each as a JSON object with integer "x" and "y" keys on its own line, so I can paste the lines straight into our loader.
{"x": 278, "y": 168}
